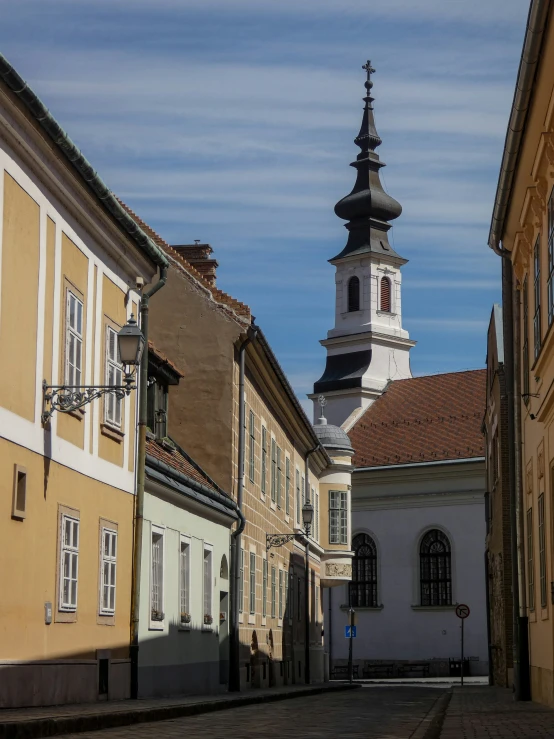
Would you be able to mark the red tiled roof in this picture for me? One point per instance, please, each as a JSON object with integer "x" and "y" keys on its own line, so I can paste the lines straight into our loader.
{"x": 179, "y": 462}
{"x": 423, "y": 419}
{"x": 162, "y": 358}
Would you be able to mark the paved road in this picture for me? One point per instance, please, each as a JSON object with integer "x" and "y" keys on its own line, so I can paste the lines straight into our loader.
{"x": 371, "y": 712}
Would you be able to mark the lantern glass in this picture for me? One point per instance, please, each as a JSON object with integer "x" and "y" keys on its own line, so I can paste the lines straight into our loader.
{"x": 307, "y": 514}
{"x": 130, "y": 343}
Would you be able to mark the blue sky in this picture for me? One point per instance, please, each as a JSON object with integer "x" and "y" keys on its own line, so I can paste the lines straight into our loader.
{"x": 232, "y": 121}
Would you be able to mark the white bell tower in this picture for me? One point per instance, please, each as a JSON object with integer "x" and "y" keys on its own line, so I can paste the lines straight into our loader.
{"x": 367, "y": 346}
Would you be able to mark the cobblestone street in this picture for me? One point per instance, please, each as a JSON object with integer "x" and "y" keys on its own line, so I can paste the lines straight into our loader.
{"x": 372, "y": 713}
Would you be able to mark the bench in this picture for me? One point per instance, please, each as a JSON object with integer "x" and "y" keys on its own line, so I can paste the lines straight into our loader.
{"x": 420, "y": 667}
{"x": 379, "y": 670}
{"x": 339, "y": 671}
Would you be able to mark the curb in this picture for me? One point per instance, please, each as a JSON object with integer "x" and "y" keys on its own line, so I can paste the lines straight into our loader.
{"x": 54, "y": 726}
{"x": 430, "y": 727}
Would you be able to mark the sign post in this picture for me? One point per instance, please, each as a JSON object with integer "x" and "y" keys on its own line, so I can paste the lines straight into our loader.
{"x": 350, "y": 633}
{"x": 462, "y": 611}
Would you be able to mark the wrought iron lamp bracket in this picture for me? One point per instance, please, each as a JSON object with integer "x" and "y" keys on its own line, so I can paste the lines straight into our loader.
{"x": 68, "y": 398}
{"x": 277, "y": 540}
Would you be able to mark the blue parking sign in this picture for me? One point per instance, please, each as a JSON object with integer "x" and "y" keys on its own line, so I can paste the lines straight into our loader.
{"x": 350, "y": 631}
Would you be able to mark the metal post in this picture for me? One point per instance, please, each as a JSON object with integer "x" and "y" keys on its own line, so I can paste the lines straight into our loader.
{"x": 350, "y": 644}
{"x": 307, "y": 610}
{"x": 462, "y": 664}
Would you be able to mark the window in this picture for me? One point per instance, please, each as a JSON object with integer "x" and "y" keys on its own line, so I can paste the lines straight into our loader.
{"x": 298, "y": 599}
{"x": 251, "y": 447}
{"x": 315, "y": 498}
{"x": 157, "y": 582}
{"x": 264, "y": 589}
{"x": 69, "y": 563}
{"x": 263, "y": 482}
{"x": 530, "y": 563}
{"x": 19, "y": 498}
{"x": 353, "y": 294}
{"x": 385, "y": 295}
{"x": 279, "y": 477}
{"x": 537, "y": 287}
{"x": 525, "y": 347}
{"x": 495, "y": 459}
{"x": 287, "y": 486}
{"x": 542, "y": 551}
{"x": 73, "y": 340}
{"x": 273, "y": 594}
{"x": 290, "y": 592}
{"x": 550, "y": 281}
{"x": 286, "y": 610}
{"x": 156, "y": 408}
{"x": 108, "y": 571}
{"x": 252, "y": 582}
{"x": 298, "y": 496}
{"x": 273, "y": 470}
{"x": 208, "y": 618}
{"x": 184, "y": 581}
{"x": 114, "y": 376}
{"x": 338, "y": 519}
{"x": 241, "y": 582}
{"x": 303, "y": 495}
{"x": 435, "y": 569}
{"x": 281, "y": 593}
{"x": 316, "y": 614}
{"x": 363, "y": 588}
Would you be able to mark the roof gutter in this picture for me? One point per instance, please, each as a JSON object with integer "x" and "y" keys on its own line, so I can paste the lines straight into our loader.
{"x": 74, "y": 156}
{"x": 536, "y": 22}
{"x": 411, "y": 465}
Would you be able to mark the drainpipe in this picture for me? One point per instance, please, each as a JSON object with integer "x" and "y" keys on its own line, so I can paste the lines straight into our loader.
{"x": 141, "y": 474}
{"x": 234, "y": 644}
{"x": 307, "y": 588}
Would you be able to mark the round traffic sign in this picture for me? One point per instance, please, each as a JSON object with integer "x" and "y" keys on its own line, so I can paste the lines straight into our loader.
{"x": 462, "y": 611}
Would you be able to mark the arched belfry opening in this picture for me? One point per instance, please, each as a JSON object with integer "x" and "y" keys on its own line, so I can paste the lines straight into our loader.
{"x": 353, "y": 294}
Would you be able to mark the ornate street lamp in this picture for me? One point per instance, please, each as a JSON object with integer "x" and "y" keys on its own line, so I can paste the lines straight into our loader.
{"x": 67, "y": 398}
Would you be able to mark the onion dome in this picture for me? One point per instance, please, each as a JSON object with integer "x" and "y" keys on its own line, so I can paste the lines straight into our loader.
{"x": 368, "y": 208}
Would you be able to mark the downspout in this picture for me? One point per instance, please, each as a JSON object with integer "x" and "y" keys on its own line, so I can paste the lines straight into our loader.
{"x": 307, "y": 587}
{"x": 234, "y": 644}
{"x": 141, "y": 475}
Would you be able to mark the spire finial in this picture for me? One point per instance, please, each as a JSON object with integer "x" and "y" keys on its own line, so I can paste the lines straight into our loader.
{"x": 322, "y": 401}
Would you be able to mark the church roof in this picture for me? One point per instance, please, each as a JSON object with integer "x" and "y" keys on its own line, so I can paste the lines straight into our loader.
{"x": 423, "y": 419}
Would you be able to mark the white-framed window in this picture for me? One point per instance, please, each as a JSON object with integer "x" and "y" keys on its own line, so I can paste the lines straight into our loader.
{"x": 303, "y": 494}
{"x": 251, "y": 449}
{"x": 241, "y": 582}
{"x": 298, "y": 497}
{"x": 252, "y": 582}
{"x": 114, "y": 376}
{"x": 289, "y": 592}
{"x": 338, "y": 517}
{"x": 281, "y": 593}
{"x": 263, "y": 481}
{"x": 208, "y": 616}
{"x": 73, "y": 340}
{"x": 279, "y": 477}
{"x": 316, "y": 516}
{"x": 264, "y": 589}
{"x": 287, "y": 486}
{"x": 109, "y": 567}
{"x": 184, "y": 580}
{"x": 273, "y": 470}
{"x": 157, "y": 577}
{"x": 273, "y": 589}
{"x": 69, "y": 562}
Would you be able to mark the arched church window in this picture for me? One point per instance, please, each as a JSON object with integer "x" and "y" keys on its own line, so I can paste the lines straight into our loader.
{"x": 363, "y": 588}
{"x": 385, "y": 295}
{"x": 435, "y": 569}
{"x": 353, "y": 294}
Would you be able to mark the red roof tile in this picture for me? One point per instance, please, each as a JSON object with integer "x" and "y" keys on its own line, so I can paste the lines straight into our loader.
{"x": 163, "y": 359}
{"x": 178, "y": 462}
{"x": 423, "y": 419}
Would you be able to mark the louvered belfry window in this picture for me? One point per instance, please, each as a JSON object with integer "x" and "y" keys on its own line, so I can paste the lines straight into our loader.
{"x": 435, "y": 569}
{"x": 353, "y": 294}
{"x": 363, "y": 588}
{"x": 385, "y": 295}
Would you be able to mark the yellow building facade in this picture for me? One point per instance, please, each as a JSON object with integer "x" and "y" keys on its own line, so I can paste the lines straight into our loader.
{"x": 71, "y": 263}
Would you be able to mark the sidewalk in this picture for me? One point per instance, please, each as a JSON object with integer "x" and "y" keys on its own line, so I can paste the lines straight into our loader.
{"x": 27, "y": 723}
{"x": 488, "y": 712}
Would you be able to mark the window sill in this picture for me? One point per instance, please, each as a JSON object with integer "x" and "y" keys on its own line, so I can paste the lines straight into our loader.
{"x": 207, "y": 630}
{"x": 252, "y": 618}
{"x": 434, "y": 608}
{"x": 386, "y": 313}
{"x": 363, "y": 608}
{"x": 111, "y": 432}
{"x": 156, "y": 626}
{"x": 78, "y": 413}
{"x": 183, "y": 627}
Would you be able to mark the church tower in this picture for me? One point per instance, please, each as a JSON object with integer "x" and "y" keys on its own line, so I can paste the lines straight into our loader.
{"x": 367, "y": 346}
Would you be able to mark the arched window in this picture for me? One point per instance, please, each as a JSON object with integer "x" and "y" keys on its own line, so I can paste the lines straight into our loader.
{"x": 385, "y": 295}
{"x": 435, "y": 571}
{"x": 363, "y": 588}
{"x": 353, "y": 294}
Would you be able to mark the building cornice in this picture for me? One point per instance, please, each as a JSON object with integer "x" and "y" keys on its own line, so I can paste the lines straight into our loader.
{"x": 366, "y": 336}
{"x": 418, "y": 500}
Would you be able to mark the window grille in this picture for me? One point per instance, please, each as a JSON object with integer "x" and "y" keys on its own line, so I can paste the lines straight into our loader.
{"x": 109, "y": 563}
{"x": 252, "y": 582}
{"x": 69, "y": 561}
{"x": 537, "y": 287}
{"x": 525, "y": 347}
{"x": 74, "y": 340}
{"x": 184, "y": 581}
{"x": 114, "y": 376}
{"x": 156, "y": 594}
{"x": 263, "y": 483}
{"x": 338, "y": 518}
{"x": 281, "y": 593}
{"x": 530, "y": 563}
{"x": 264, "y": 589}
{"x": 207, "y": 584}
{"x": 273, "y": 593}
{"x": 435, "y": 569}
{"x": 385, "y": 294}
{"x": 287, "y": 486}
{"x": 279, "y": 477}
{"x": 273, "y": 470}
{"x": 241, "y": 581}
{"x": 353, "y": 294}
{"x": 542, "y": 551}
{"x": 550, "y": 281}
{"x": 363, "y": 588}
{"x": 251, "y": 459}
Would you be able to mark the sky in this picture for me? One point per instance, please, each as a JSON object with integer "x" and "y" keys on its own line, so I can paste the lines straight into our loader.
{"x": 232, "y": 122}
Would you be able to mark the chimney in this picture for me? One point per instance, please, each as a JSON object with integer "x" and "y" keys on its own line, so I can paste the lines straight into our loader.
{"x": 198, "y": 255}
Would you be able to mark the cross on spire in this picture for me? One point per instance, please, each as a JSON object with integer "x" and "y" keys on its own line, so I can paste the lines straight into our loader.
{"x": 368, "y": 68}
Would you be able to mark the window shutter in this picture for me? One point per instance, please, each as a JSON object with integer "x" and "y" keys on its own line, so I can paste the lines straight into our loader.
{"x": 385, "y": 294}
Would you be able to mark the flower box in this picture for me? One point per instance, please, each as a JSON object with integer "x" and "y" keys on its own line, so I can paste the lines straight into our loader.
{"x": 157, "y": 615}
{"x": 208, "y": 619}
{"x": 185, "y": 617}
